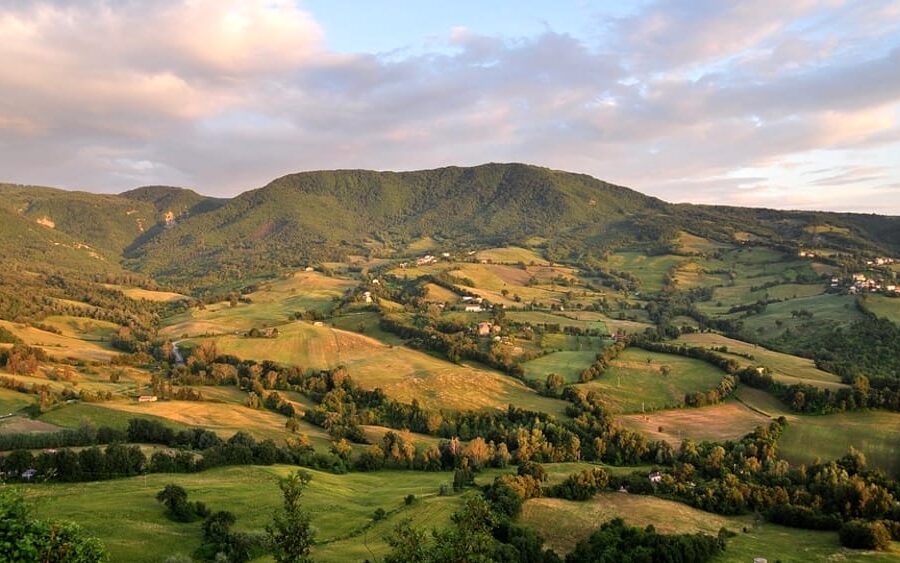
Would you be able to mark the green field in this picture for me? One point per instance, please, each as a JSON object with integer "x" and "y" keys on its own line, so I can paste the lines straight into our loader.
{"x": 511, "y": 255}
{"x": 365, "y": 322}
{"x": 82, "y": 328}
{"x": 61, "y": 345}
{"x": 883, "y": 306}
{"x": 76, "y": 414}
{"x": 786, "y": 368}
{"x": 807, "y": 437}
{"x": 567, "y": 364}
{"x": 561, "y": 319}
{"x": 635, "y": 382}
{"x": 563, "y": 342}
{"x": 125, "y": 514}
{"x": 12, "y": 401}
{"x": 827, "y": 310}
{"x": 574, "y": 521}
{"x": 402, "y": 373}
{"x": 650, "y": 270}
{"x": 272, "y": 304}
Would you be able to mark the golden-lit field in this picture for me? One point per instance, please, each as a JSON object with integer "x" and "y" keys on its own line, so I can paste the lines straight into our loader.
{"x": 404, "y": 374}
{"x": 724, "y": 421}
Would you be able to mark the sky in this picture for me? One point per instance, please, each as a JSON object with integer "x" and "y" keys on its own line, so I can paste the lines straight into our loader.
{"x": 754, "y": 103}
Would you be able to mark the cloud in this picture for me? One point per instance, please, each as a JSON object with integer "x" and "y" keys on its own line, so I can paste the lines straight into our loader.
{"x": 678, "y": 99}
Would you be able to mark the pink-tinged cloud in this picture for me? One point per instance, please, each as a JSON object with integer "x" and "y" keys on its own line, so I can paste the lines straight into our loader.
{"x": 703, "y": 101}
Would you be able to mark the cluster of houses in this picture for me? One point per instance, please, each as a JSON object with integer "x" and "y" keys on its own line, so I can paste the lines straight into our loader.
{"x": 472, "y": 304}
{"x": 487, "y": 328}
{"x": 861, "y": 283}
{"x": 880, "y": 261}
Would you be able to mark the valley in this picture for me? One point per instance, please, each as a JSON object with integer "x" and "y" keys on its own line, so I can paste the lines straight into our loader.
{"x": 501, "y": 342}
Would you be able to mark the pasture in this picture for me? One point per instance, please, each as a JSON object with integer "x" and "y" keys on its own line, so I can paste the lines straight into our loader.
{"x": 536, "y": 318}
{"x": 404, "y": 374}
{"x": 786, "y": 368}
{"x": 637, "y": 380}
{"x": 649, "y": 270}
{"x": 778, "y": 318}
{"x": 725, "y": 421}
{"x": 809, "y": 437}
{"x": 271, "y": 304}
{"x": 568, "y": 364}
{"x": 82, "y": 328}
{"x": 574, "y": 521}
{"x": 60, "y": 345}
{"x": 13, "y": 401}
{"x": 511, "y": 255}
{"x": 132, "y": 524}
{"x": 139, "y": 294}
{"x": 225, "y": 419}
{"x": 883, "y": 306}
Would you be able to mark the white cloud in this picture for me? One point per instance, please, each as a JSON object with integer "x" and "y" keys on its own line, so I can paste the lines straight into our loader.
{"x": 676, "y": 100}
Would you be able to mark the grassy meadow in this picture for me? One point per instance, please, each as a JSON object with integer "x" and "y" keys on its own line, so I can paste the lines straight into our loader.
{"x": 132, "y": 524}
{"x": 270, "y": 305}
{"x": 574, "y": 521}
{"x": 635, "y": 381}
{"x": 725, "y": 421}
{"x": 402, "y": 373}
{"x": 568, "y": 364}
{"x": 786, "y": 368}
{"x": 883, "y": 306}
{"x": 809, "y": 437}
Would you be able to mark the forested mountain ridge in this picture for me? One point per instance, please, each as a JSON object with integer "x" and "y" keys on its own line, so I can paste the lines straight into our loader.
{"x": 183, "y": 238}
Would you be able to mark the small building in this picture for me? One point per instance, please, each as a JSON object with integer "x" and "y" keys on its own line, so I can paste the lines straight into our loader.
{"x": 367, "y": 296}
{"x": 147, "y": 399}
{"x": 445, "y": 254}
{"x": 318, "y": 323}
{"x": 29, "y": 474}
{"x": 473, "y": 309}
{"x": 655, "y": 477}
{"x": 309, "y": 269}
{"x": 484, "y": 328}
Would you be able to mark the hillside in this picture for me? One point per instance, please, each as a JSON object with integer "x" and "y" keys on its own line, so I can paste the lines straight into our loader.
{"x": 327, "y": 215}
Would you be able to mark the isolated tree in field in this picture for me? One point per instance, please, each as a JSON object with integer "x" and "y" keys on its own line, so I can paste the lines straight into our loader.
{"x": 555, "y": 382}
{"x": 290, "y": 532}
{"x": 174, "y": 498}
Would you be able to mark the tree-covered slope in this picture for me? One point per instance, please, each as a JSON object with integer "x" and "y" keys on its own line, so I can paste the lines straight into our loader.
{"x": 317, "y": 215}
{"x": 106, "y": 223}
